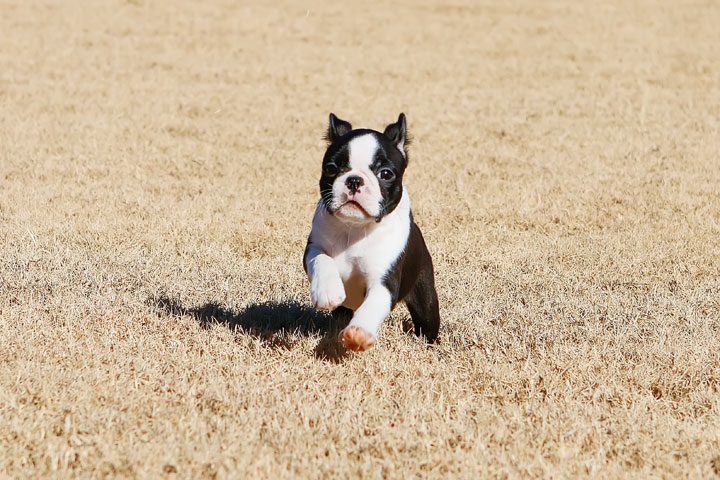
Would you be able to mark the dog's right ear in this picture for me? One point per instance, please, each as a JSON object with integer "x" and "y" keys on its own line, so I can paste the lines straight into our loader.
{"x": 337, "y": 128}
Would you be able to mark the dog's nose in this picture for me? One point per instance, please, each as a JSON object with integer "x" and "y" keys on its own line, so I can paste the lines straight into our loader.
{"x": 354, "y": 183}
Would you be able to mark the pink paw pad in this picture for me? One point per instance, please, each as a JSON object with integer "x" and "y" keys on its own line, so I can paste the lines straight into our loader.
{"x": 356, "y": 339}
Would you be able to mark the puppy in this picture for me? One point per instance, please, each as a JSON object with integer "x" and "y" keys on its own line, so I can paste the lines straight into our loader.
{"x": 364, "y": 251}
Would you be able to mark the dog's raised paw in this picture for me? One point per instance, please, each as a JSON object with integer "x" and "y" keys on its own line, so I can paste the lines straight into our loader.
{"x": 356, "y": 339}
{"x": 327, "y": 294}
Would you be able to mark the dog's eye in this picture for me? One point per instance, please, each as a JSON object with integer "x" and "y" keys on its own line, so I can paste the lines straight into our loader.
{"x": 387, "y": 174}
{"x": 330, "y": 169}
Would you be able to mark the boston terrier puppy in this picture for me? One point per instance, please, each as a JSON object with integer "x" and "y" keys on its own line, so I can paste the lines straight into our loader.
{"x": 365, "y": 252}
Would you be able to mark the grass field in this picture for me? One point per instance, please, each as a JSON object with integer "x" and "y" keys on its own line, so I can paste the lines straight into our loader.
{"x": 159, "y": 165}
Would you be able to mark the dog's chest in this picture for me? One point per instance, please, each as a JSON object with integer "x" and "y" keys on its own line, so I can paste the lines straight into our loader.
{"x": 369, "y": 255}
{"x": 363, "y": 256}
{"x": 353, "y": 270}
{"x": 360, "y": 265}
{"x": 366, "y": 260}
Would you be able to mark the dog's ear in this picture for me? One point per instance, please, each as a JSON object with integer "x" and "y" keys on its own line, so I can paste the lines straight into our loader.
{"x": 397, "y": 133}
{"x": 337, "y": 128}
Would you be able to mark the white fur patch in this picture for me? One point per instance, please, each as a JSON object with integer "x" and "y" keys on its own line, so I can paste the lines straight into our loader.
{"x": 361, "y": 255}
{"x": 374, "y": 310}
{"x": 361, "y": 151}
{"x": 326, "y": 287}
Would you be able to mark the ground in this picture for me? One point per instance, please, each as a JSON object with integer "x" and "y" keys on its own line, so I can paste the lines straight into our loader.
{"x": 159, "y": 165}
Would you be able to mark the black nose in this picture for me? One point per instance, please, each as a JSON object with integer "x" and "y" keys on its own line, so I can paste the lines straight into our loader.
{"x": 354, "y": 183}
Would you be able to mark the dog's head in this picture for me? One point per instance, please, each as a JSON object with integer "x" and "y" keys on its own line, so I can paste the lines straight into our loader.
{"x": 362, "y": 170}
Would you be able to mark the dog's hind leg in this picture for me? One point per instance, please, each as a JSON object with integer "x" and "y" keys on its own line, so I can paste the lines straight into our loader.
{"x": 422, "y": 302}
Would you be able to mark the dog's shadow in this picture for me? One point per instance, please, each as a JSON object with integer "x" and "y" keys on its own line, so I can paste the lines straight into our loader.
{"x": 271, "y": 322}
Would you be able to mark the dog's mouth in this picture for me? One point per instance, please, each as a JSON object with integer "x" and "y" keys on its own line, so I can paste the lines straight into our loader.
{"x": 353, "y": 207}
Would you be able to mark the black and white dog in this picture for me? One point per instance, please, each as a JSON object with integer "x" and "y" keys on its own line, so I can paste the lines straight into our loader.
{"x": 364, "y": 251}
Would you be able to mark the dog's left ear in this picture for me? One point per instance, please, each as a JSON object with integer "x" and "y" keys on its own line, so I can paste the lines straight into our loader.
{"x": 397, "y": 133}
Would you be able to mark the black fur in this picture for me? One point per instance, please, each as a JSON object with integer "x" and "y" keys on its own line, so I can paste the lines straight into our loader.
{"x": 336, "y": 128}
{"x": 412, "y": 279}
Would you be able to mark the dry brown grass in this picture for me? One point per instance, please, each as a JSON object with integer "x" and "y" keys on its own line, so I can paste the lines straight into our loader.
{"x": 159, "y": 168}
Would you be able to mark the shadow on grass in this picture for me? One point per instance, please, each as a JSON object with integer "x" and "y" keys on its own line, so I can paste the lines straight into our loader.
{"x": 270, "y": 322}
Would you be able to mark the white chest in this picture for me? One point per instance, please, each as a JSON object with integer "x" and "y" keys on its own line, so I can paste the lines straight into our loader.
{"x": 363, "y": 255}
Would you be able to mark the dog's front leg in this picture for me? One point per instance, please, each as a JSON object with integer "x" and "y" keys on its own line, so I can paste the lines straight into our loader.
{"x": 327, "y": 291}
{"x": 363, "y": 330}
